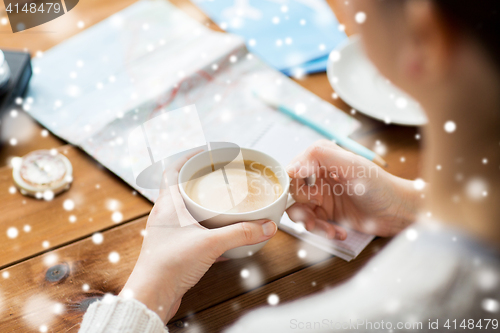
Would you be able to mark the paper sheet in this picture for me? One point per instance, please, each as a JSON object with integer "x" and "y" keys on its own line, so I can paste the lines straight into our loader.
{"x": 96, "y": 88}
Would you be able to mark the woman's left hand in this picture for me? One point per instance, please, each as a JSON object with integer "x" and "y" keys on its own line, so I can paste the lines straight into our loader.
{"x": 173, "y": 258}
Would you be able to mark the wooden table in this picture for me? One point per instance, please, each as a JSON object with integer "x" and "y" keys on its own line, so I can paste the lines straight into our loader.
{"x": 54, "y": 268}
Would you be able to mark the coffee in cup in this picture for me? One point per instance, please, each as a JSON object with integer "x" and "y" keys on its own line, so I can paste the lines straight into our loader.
{"x": 246, "y": 205}
{"x": 249, "y": 186}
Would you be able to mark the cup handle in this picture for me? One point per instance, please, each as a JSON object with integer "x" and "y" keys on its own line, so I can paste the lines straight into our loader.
{"x": 290, "y": 201}
{"x": 310, "y": 181}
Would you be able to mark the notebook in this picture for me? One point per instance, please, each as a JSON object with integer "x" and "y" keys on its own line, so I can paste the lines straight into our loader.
{"x": 284, "y": 143}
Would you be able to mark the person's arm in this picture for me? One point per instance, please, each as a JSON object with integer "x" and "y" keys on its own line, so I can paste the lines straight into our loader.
{"x": 116, "y": 314}
{"x": 172, "y": 260}
{"x": 409, "y": 281}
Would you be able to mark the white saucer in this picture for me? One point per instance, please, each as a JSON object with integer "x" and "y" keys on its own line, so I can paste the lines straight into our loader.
{"x": 356, "y": 80}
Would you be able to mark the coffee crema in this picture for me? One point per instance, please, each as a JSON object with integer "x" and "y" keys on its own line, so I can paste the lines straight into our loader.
{"x": 234, "y": 188}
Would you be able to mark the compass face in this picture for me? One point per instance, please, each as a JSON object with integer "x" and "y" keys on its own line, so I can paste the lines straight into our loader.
{"x": 42, "y": 168}
{"x": 42, "y": 173}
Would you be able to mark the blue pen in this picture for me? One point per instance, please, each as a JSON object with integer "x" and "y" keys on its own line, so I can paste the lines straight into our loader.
{"x": 343, "y": 141}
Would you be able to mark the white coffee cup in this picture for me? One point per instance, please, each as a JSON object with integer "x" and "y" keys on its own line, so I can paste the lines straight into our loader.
{"x": 212, "y": 219}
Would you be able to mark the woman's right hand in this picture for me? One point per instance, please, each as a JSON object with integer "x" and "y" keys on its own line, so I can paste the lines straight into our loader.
{"x": 349, "y": 190}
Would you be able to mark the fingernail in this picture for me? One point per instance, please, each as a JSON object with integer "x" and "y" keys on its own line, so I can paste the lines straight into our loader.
{"x": 311, "y": 180}
{"x": 338, "y": 236}
{"x": 314, "y": 202}
{"x": 269, "y": 228}
{"x": 293, "y": 167}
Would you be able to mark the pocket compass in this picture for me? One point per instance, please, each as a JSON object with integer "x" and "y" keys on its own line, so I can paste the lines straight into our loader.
{"x": 42, "y": 173}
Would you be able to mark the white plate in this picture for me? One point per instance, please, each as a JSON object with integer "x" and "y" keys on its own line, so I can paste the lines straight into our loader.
{"x": 356, "y": 80}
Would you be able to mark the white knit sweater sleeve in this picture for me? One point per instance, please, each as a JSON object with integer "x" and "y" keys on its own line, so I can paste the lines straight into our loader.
{"x": 118, "y": 315}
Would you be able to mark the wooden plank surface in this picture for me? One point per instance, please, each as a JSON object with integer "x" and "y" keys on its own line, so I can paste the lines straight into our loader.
{"x": 38, "y": 291}
{"x": 88, "y": 263}
{"x": 47, "y": 35}
{"x": 27, "y": 133}
{"x": 34, "y": 290}
{"x": 310, "y": 280}
{"x": 36, "y": 41}
{"x": 96, "y": 194}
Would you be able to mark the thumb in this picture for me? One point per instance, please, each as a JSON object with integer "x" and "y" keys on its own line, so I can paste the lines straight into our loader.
{"x": 243, "y": 233}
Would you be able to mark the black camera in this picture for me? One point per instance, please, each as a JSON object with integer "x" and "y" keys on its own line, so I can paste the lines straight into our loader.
{"x": 15, "y": 74}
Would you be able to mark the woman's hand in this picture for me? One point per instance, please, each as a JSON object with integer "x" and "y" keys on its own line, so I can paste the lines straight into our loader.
{"x": 349, "y": 190}
{"x": 174, "y": 258}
